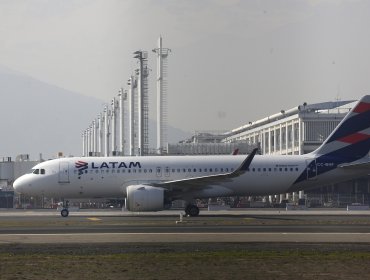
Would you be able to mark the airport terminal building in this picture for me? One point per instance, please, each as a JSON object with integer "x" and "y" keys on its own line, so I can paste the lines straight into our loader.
{"x": 296, "y": 131}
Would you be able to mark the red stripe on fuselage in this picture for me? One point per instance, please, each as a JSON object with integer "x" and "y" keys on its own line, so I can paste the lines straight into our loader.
{"x": 354, "y": 138}
{"x": 362, "y": 107}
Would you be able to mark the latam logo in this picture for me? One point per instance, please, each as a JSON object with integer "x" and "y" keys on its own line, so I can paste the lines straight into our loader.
{"x": 116, "y": 164}
{"x": 81, "y": 166}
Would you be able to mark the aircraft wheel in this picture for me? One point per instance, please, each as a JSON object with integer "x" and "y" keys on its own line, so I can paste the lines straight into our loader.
{"x": 192, "y": 210}
{"x": 64, "y": 213}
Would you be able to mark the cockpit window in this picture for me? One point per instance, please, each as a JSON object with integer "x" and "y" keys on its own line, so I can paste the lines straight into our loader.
{"x": 38, "y": 171}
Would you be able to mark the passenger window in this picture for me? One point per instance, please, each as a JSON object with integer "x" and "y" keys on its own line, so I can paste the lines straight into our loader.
{"x": 205, "y": 169}
{"x": 253, "y": 169}
{"x": 286, "y": 169}
{"x": 270, "y": 169}
{"x": 264, "y": 170}
{"x": 195, "y": 170}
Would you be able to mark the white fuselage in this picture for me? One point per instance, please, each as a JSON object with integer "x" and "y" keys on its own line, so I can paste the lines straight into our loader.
{"x": 109, "y": 176}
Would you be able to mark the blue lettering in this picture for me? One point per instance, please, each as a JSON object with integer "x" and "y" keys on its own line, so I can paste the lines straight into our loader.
{"x": 135, "y": 164}
{"x": 116, "y": 164}
{"x": 104, "y": 165}
{"x": 113, "y": 164}
{"x": 122, "y": 164}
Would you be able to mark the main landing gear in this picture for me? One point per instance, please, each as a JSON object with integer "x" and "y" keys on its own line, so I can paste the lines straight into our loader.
{"x": 192, "y": 210}
{"x": 65, "y": 212}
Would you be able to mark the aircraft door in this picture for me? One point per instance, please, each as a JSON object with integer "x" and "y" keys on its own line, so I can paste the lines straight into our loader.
{"x": 311, "y": 169}
{"x": 63, "y": 172}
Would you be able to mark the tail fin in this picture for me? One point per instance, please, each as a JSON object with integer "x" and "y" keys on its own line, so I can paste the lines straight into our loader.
{"x": 351, "y": 139}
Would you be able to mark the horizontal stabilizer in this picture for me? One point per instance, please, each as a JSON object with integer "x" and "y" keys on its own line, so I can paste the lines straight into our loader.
{"x": 356, "y": 165}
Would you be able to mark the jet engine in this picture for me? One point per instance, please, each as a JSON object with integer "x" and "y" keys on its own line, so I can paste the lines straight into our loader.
{"x": 144, "y": 198}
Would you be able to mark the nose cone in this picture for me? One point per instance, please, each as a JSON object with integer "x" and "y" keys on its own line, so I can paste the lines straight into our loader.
{"x": 20, "y": 184}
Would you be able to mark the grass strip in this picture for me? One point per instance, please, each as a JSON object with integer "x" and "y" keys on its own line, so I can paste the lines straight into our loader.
{"x": 234, "y": 264}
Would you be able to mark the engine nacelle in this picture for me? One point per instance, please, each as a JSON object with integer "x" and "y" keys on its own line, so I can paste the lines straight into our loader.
{"x": 144, "y": 198}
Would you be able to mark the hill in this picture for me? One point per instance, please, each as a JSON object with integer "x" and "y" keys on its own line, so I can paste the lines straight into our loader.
{"x": 36, "y": 117}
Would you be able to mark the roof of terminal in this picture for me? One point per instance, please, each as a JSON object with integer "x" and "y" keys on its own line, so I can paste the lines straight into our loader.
{"x": 324, "y": 107}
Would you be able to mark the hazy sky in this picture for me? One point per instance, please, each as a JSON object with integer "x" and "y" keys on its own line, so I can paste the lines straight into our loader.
{"x": 231, "y": 62}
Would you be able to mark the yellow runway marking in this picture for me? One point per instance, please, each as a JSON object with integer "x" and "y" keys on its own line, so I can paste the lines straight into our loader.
{"x": 94, "y": 219}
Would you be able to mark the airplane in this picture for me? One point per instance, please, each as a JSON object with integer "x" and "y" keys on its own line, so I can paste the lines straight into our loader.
{"x": 151, "y": 183}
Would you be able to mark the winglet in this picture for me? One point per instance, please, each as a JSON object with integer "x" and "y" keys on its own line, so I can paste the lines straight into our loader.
{"x": 210, "y": 179}
{"x": 235, "y": 152}
{"x": 245, "y": 164}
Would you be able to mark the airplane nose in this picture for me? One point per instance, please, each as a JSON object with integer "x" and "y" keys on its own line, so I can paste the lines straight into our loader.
{"x": 19, "y": 184}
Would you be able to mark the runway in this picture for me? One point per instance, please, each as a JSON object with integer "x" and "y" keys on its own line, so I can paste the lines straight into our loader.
{"x": 246, "y": 226}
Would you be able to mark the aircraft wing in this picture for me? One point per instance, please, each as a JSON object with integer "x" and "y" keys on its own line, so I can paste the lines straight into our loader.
{"x": 189, "y": 183}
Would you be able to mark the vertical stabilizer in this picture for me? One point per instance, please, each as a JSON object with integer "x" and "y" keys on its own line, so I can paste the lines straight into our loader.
{"x": 351, "y": 139}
